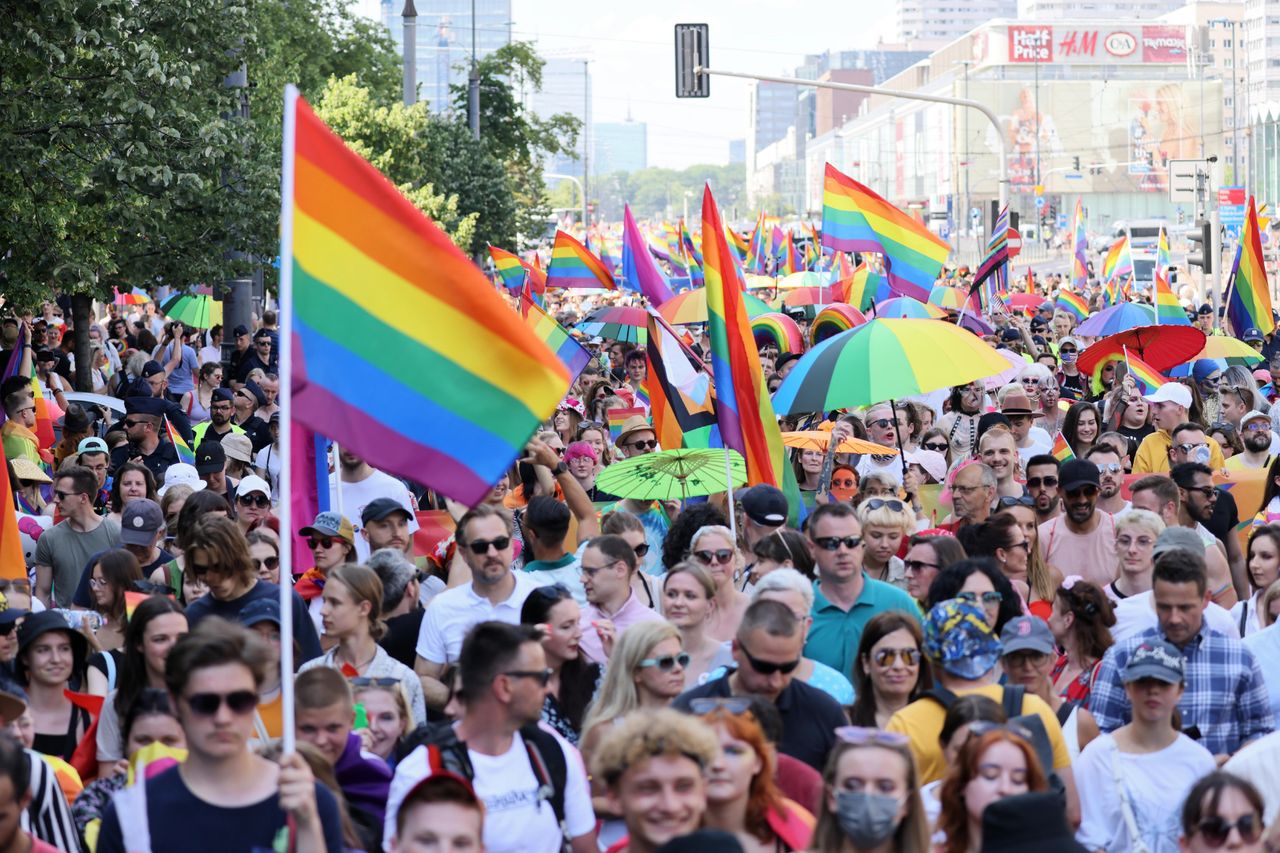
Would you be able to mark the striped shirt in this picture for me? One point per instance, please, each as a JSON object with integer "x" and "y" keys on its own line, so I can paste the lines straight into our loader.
{"x": 48, "y": 817}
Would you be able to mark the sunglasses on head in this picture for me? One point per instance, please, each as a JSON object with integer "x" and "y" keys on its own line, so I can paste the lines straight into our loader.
{"x": 240, "y": 702}
{"x": 862, "y": 735}
{"x": 257, "y": 499}
{"x": 666, "y": 663}
{"x": 367, "y": 681}
{"x": 731, "y": 704}
{"x": 481, "y": 546}
{"x": 894, "y": 505}
{"x": 1019, "y": 500}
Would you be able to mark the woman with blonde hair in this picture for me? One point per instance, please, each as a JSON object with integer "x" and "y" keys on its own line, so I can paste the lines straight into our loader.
{"x": 646, "y": 670}
{"x": 713, "y": 547}
{"x": 688, "y": 602}
{"x": 387, "y": 710}
{"x": 871, "y": 796}
{"x": 352, "y": 614}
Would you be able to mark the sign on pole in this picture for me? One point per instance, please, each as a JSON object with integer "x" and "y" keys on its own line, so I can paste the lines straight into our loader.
{"x": 1182, "y": 181}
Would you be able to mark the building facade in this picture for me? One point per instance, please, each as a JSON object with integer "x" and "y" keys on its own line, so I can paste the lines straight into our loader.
{"x": 619, "y": 147}
{"x": 444, "y": 40}
{"x": 946, "y": 20}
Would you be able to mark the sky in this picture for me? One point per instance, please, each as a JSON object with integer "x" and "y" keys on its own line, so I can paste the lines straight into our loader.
{"x": 632, "y": 52}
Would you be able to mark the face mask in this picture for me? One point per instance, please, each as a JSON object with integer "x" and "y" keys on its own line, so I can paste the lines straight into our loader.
{"x": 1067, "y": 357}
{"x": 868, "y": 819}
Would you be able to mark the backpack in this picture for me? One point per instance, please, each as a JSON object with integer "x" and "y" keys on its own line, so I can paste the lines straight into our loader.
{"x": 1012, "y": 704}
{"x": 546, "y": 759}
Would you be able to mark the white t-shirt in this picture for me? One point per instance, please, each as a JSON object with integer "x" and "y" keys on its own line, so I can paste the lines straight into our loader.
{"x": 1153, "y": 785}
{"x": 1040, "y": 443}
{"x": 1259, "y": 762}
{"x": 268, "y": 459}
{"x": 891, "y": 468}
{"x": 357, "y": 496}
{"x": 452, "y": 613}
{"x": 1138, "y": 613}
{"x": 1251, "y": 625}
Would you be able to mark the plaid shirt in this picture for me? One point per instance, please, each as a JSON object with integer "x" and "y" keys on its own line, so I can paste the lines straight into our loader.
{"x": 1226, "y": 697}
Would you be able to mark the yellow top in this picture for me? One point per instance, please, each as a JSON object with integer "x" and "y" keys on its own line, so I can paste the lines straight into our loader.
{"x": 1153, "y": 454}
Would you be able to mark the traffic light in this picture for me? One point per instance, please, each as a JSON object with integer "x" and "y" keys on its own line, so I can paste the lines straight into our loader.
{"x": 1013, "y": 220}
{"x": 1201, "y": 238}
{"x": 692, "y": 52}
{"x": 1077, "y": 162}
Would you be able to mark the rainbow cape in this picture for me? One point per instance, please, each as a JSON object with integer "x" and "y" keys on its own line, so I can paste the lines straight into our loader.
{"x": 1073, "y": 303}
{"x": 743, "y": 408}
{"x": 566, "y": 347}
{"x": 511, "y": 270}
{"x": 184, "y": 451}
{"x": 1061, "y": 450}
{"x": 1249, "y": 303}
{"x": 1168, "y": 310}
{"x": 402, "y": 352}
{"x": 856, "y": 219}
{"x": 573, "y": 266}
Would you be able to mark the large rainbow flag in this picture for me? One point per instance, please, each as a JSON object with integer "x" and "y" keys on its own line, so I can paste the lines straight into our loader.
{"x": 743, "y": 408}
{"x": 1079, "y": 249}
{"x": 402, "y": 351}
{"x": 856, "y": 219}
{"x": 1249, "y": 302}
{"x": 1168, "y": 310}
{"x": 572, "y": 265}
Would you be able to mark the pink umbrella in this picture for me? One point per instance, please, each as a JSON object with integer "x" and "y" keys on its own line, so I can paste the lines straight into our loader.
{"x": 1016, "y": 365}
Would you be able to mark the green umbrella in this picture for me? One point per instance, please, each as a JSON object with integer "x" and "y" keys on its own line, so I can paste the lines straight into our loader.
{"x": 197, "y": 310}
{"x": 673, "y": 474}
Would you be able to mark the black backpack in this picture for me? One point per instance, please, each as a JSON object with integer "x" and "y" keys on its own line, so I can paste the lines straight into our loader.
{"x": 546, "y": 758}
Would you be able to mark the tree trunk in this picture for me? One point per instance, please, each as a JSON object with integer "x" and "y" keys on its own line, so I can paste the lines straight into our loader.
{"x": 82, "y": 316}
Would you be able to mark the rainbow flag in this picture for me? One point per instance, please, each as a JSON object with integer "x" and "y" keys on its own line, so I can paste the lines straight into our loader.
{"x": 1080, "y": 248}
{"x": 640, "y": 271}
{"x": 737, "y": 243}
{"x": 1146, "y": 376}
{"x": 690, "y": 248}
{"x": 511, "y": 270}
{"x": 13, "y": 565}
{"x": 405, "y": 354}
{"x": 790, "y": 259}
{"x": 743, "y": 408}
{"x": 1249, "y": 302}
{"x": 1073, "y": 303}
{"x": 618, "y": 417}
{"x": 573, "y": 266}
{"x": 1117, "y": 265}
{"x": 44, "y": 420}
{"x": 856, "y": 219}
{"x": 184, "y": 451}
{"x": 1167, "y": 308}
{"x": 757, "y": 251}
{"x": 994, "y": 267}
{"x": 1061, "y": 450}
{"x": 566, "y": 347}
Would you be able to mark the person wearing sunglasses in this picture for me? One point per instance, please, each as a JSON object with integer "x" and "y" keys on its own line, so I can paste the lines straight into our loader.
{"x": 264, "y": 551}
{"x": 885, "y": 523}
{"x": 636, "y": 437}
{"x": 223, "y": 795}
{"x": 767, "y": 651}
{"x": 143, "y": 423}
{"x": 713, "y": 547}
{"x": 1197, "y": 506}
{"x": 484, "y": 543}
{"x": 845, "y": 596}
{"x": 1223, "y": 811}
{"x": 871, "y": 798}
{"x": 607, "y": 566}
{"x": 63, "y": 550}
{"x": 795, "y": 590}
{"x": 890, "y": 670}
{"x": 331, "y": 539}
{"x": 882, "y": 428}
{"x": 1133, "y": 779}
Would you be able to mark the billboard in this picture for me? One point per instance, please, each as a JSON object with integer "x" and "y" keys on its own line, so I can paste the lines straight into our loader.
{"x": 1124, "y": 132}
{"x": 1104, "y": 44}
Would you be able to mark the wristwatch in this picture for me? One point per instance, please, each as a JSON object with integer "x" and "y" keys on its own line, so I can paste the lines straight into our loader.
{"x": 560, "y": 468}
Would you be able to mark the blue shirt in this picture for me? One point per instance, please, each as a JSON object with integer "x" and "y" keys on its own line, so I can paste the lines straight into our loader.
{"x": 1225, "y": 697}
{"x": 1265, "y": 645}
{"x": 835, "y": 634}
{"x": 181, "y": 380}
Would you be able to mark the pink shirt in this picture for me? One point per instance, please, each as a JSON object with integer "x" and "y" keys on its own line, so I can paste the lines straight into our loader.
{"x": 628, "y": 614}
{"x": 1090, "y": 555}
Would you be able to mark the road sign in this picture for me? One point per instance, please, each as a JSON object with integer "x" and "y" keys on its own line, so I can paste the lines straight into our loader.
{"x": 1039, "y": 202}
{"x": 1015, "y": 243}
{"x": 1039, "y": 189}
{"x": 692, "y": 52}
{"x": 1231, "y": 203}
{"x": 1182, "y": 180}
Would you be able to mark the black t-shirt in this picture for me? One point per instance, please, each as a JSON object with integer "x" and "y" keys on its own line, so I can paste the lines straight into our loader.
{"x": 1225, "y": 517}
{"x": 1134, "y": 436}
{"x": 158, "y": 462}
{"x": 304, "y": 629}
{"x": 401, "y": 639}
{"x": 179, "y": 820}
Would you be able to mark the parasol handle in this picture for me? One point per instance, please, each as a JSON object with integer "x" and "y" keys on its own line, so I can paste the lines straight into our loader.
{"x": 897, "y": 438}
{"x": 728, "y": 488}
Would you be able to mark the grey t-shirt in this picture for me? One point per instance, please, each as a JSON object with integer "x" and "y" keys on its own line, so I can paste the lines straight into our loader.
{"x": 67, "y": 551}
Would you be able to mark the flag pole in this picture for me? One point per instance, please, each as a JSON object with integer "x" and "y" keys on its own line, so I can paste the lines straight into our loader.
{"x": 728, "y": 487}
{"x": 284, "y": 511}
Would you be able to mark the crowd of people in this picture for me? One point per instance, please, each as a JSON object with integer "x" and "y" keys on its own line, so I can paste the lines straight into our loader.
{"x": 1068, "y": 651}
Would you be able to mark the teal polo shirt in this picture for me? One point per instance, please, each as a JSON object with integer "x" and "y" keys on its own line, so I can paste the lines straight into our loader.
{"x": 835, "y": 633}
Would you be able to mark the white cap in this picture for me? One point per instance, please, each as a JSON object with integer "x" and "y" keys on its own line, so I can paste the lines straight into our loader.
{"x": 1171, "y": 392}
{"x": 181, "y": 474}
{"x": 1255, "y": 415}
{"x": 253, "y": 483}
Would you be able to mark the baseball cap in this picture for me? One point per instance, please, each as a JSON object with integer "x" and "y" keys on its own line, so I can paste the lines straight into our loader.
{"x": 1027, "y": 633}
{"x": 420, "y": 768}
{"x": 139, "y": 522}
{"x": 764, "y": 504}
{"x": 380, "y": 508}
{"x": 210, "y": 458}
{"x": 1173, "y": 538}
{"x": 1254, "y": 415}
{"x": 1155, "y": 659}
{"x": 1251, "y": 335}
{"x": 92, "y": 444}
{"x": 253, "y": 483}
{"x": 957, "y": 636}
{"x": 933, "y": 462}
{"x": 1010, "y": 335}
{"x": 181, "y": 474}
{"x": 265, "y": 609}
{"x": 1171, "y": 392}
{"x": 330, "y": 524}
{"x": 151, "y": 368}
{"x": 1075, "y": 473}
{"x": 237, "y": 446}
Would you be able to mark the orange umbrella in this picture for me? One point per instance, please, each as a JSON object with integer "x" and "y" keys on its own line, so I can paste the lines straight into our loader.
{"x": 819, "y": 440}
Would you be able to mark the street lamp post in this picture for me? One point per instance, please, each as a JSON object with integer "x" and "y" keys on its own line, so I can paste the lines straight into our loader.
{"x": 410, "y": 53}
{"x": 473, "y": 83}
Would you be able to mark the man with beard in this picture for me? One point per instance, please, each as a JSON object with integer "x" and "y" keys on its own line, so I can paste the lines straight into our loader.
{"x": 1111, "y": 475}
{"x": 1255, "y": 433}
{"x": 221, "y": 410}
{"x": 1189, "y": 443}
{"x": 1042, "y": 485}
{"x": 1197, "y": 497}
{"x": 1085, "y": 537}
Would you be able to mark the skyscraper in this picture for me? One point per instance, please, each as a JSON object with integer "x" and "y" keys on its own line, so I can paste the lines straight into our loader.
{"x": 620, "y": 146}
{"x": 947, "y": 20}
{"x": 444, "y": 39}
{"x": 566, "y": 88}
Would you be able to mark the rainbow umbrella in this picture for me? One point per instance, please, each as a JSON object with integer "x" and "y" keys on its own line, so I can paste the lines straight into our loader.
{"x": 1159, "y": 346}
{"x": 778, "y": 329}
{"x": 1232, "y": 350}
{"x": 884, "y": 360}
{"x": 1117, "y": 318}
{"x": 801, "y": 279}
{"x": 616, "y": 323}
{"x": 906, "y": 308}
{"x": 136, "y": 296}
{"x": 199, "y": 311}
{"x": 691, "y": 307}
{"x": 948, "y": 297}
{"x": 832, "y": 320}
